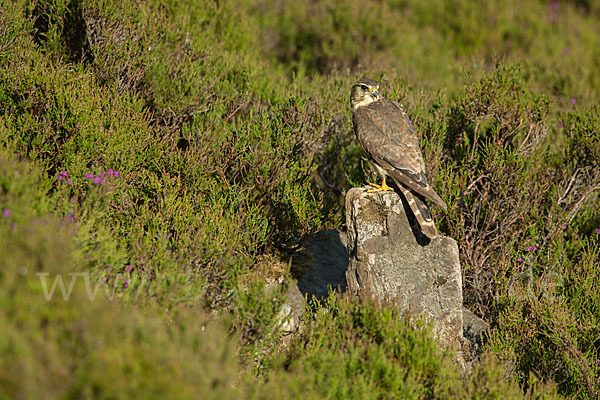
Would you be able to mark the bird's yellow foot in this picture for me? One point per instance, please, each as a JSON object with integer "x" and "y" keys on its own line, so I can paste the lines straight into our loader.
{"x": 379, "y": 188}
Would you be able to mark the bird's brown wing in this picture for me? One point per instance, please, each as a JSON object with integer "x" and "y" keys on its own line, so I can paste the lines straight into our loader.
{"x": 389, "y": 138}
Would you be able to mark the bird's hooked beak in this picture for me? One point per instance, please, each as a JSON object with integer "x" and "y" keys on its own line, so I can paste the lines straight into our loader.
{"x": 374, "y": 93}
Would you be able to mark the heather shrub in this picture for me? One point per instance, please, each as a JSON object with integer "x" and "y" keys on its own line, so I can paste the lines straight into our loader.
{"x": 176, "y": 153}
{"x": 518, "y": 201}
{"x": 441, "y": 43}
{"x": 75, "y": 338}
{"x": 358, "y": 351}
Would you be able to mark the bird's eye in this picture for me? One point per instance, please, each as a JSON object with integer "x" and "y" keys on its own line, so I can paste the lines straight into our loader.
{"x": 364, "y": 87}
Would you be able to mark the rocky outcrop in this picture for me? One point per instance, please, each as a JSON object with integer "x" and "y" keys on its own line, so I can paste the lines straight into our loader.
{"x": 392, "y": 263}
{"x": 475, "y": 331}
{"x": 321, "y": 264}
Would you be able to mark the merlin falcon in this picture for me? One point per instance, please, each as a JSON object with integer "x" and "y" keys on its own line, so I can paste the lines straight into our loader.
{"x": 391, "y": 144}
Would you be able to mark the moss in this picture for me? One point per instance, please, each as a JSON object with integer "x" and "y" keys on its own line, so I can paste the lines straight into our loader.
{"x": 374, "y": 212}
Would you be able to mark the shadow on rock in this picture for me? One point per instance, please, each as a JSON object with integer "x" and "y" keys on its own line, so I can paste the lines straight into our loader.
{"x": 321, "y": 264}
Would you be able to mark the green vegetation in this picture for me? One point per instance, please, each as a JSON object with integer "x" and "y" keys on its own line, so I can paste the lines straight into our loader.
{"x": 172, "y": 152}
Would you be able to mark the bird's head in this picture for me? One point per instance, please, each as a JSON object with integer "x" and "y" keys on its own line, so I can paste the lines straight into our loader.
{"x": 363, "y": 93}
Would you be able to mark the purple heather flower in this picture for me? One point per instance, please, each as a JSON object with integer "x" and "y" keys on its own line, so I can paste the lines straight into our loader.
{"x": 597, "y": 231}
{"x": 108, "y": 268}
{"x": 126, "y": 284}
{"x": 6, "y": 212}
{"x": 116, "y": 174}
{"x": 60, "y": 177}
{"x": 46, "y": 105}
{"x": 129, "y": 268}
{"x": 102, "y": 181}
{"x": 519, "y": 259}
{"x": 89, "y": 176}
{"x": 97, "y": 180}
{"x": 69, "y": 181}
{"x": 118, "y": 276}
{"x": 560, "y": 126}
{"x": 110, "y": 171}
{"x": 573, "y": 100}
{"x": 554, "y": 9}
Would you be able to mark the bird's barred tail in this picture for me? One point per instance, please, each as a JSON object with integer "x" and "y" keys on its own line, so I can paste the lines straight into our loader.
{"x": 421, "y": 212}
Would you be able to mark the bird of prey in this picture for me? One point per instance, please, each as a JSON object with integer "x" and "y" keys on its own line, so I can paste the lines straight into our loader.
{"x": 390, "y": 142}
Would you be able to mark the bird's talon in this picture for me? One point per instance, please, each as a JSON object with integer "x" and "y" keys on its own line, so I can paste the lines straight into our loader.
{"x": 379, "y": 188}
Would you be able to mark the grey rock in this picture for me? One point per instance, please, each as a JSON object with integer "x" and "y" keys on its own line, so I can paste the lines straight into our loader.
{"x": 391, "y": 262}
{"x": 320, "y": 266}
{"x": 285, "y": 318}
{"x": 475, "y": 331}
{"x": 289, "y": 317}
{"x": 294, "y": 302}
